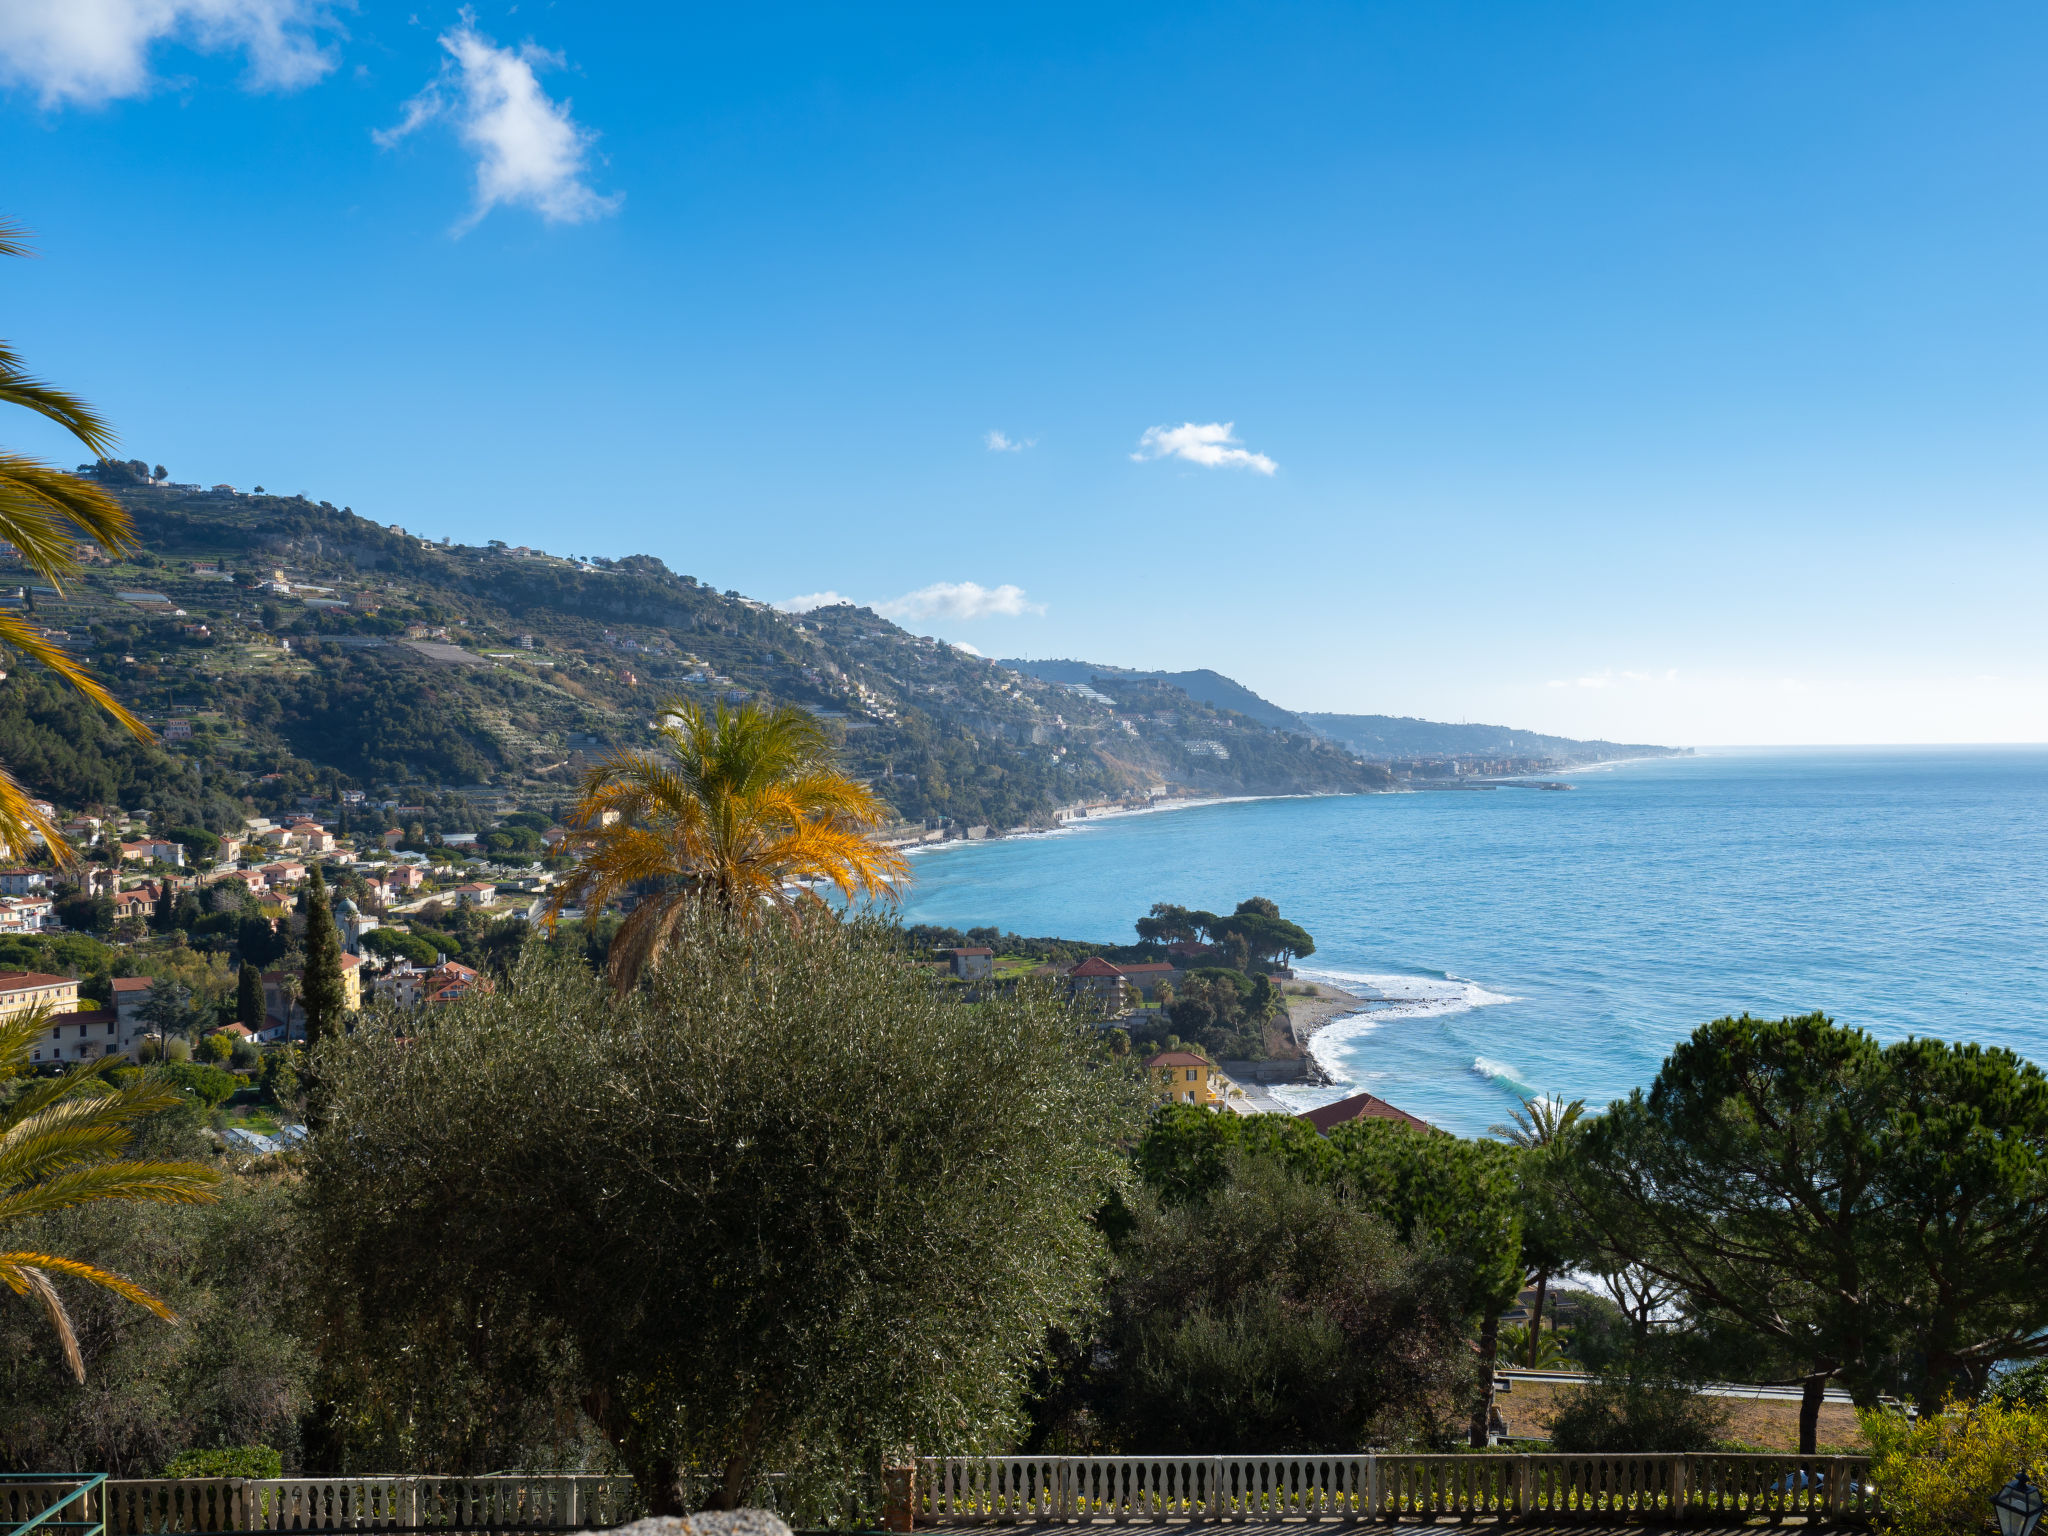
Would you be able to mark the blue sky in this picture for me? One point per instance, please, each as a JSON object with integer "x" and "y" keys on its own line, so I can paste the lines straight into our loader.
{"x": 1660, "y": 371}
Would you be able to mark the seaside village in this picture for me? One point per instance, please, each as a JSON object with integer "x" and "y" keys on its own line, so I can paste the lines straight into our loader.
{"x": 164, "y": 913}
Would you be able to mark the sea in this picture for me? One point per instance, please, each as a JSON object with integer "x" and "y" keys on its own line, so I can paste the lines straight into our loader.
{"x": 1518, "y": 941}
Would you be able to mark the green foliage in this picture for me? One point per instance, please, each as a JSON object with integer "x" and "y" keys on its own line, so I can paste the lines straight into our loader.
{"x": 249, "y": 1012}
{"x": 2024, "y": 1386}
{"x": 229, "y": 1461}
{"x": 67, "y": 750}
{"x": 513, "y": 842}
{"x": 1187, "y": 1151}
{"x": 1609, "y": 1415}
{"x": 321, "y": 992}
{"x": 66, "y": 954}
{"x": 219, "y": 1049}
{"x": 814, "y": 1123}
{"x": 207, "y": 1084}
{"x": 1935, "y": 1475}
{"x": 199, "y": 844}
{"x": 532, "y": 821}
{"x": 1875, "y": 1212}
{"x": 396, "y": 941}
{"x": 1276, "y": 1315}
{"x": 232, "y": 1372}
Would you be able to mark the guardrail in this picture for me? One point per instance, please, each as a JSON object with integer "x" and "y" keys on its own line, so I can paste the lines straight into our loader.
{"x": 202, "y": 1506}
{"x": 53, "y": 1493}
{"x": 1121, "y": 1490}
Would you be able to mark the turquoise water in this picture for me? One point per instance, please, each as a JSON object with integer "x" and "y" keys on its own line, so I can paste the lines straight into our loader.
{"x": 1560, "y": 942}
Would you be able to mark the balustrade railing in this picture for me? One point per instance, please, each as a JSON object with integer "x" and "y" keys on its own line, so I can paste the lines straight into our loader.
{"x": 1123, "y": 1490}
{"x": 191, "y": 1506}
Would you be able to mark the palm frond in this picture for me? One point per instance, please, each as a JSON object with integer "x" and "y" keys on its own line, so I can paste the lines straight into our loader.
{"x": 106, "y": 1279}
{"x": 155, "y": 1183}
{"x": 59, "y": 405}
{"x": 35, "y": 1283}
{"x": 41, "y": 500}
{"x": 14, "y": 239}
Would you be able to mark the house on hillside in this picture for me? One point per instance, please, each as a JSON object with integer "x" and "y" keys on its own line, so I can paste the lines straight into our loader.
{"x": 1187, "y": 1077}
{"x": 138, "y": 901}
{"x": 1361, "y": 1106}
{"x": 408, "y": 986}
{"x": 973, "y": 964}
{"x": 284, "y": 1018}
{"x": 1098, "y": 982}
{"x": 77, "y": 1037}
{"x": 23, "y": 882}
{"x": 23, "y": 990}
{"x": 155, "y": 848}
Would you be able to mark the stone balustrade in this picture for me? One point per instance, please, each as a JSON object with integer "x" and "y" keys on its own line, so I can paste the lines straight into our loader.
{"x": 1121, "y": 1490}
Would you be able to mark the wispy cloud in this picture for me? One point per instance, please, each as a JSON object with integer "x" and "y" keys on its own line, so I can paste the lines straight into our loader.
{"x": 960, "y": 600}
{"x": 999, "y": 443}
{"x": 93, "y": 51}
{"x": 1212, "y": 444}
{"x": 940, "y": 600}
{"x": 1610, "y": 678}
{"x": 812, "y": 600}
{"x": 529, "y": 151}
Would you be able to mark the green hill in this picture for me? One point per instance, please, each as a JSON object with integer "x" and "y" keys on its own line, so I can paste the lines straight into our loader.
{"x": 460, "y": 679}
{"x": 1389, "y": 738}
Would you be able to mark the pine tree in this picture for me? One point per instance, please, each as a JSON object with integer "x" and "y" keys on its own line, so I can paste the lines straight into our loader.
{"x": 321, "y": 994}
{"x": 249, "y": 998}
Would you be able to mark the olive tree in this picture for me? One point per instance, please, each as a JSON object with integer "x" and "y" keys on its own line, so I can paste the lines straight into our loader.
{"x": 786, "y": 1207}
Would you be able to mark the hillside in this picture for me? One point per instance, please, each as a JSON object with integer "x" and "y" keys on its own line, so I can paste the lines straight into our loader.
{"x": 1375, "y": 738}
{"x": 313, "y": 652}
{"x": 1393, "y": 738}
{"x": 1202, "y": 685}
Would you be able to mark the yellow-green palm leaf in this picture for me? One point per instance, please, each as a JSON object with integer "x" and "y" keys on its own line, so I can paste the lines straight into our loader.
{"x": 741, "y": 808}
{"x": 64, "y": 1142}
{"x": 44, "y": 513}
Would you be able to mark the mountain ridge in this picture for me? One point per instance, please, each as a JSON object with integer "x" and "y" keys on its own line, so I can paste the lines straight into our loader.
{"x": 309, "y": 651}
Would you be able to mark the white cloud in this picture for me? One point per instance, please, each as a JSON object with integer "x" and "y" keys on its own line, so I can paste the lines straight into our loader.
{"x": 940, "y": 600}
{"x": 1613, "y": 679}
{"x": 1211, "y": 444}
{"x": 960, "y": 600}
{"x": 964, "y": 648}
{"x": 999, "y": 443}
{"x": 812, "y": 600}
{"x": 529, "y": 151}
{"x": 92, "y": 51}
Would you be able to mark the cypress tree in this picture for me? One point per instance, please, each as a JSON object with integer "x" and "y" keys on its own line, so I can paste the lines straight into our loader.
{"x": 249, "y": 998}
{"x": 321, "y": 994}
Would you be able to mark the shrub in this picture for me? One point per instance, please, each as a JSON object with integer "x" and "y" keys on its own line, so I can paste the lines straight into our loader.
{"x": 1613, "y": 1414}
{"x": 229, "y": 1461}
{"x": 1936, "y": 1474}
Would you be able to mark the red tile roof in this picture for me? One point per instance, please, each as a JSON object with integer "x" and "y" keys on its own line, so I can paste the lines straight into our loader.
{"x": 1360, "y": 1106}
{"x": 1095, "y": 965}
{"x": 21, "y": 981}
{"x": 1149, "y": 968}
{"x": 131, "y": 984}
{"x": 1179, "y": 1059}
{"x": 966, "y": 951}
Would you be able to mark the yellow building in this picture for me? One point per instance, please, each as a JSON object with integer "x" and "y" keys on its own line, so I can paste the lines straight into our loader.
{"x": 23, "y": 990}
{"x": 1187, "y": 1077}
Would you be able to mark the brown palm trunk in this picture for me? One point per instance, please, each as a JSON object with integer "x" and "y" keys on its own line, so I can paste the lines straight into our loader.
{"x": 1482, "y": 1408}
{"x": 1536, "y": 1322}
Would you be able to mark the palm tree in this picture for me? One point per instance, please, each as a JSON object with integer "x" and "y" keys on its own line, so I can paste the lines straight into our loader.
{"x": 1540, "y": 1122}
{"x": 63, "y": 1143}
{"x": 43, "y": 511}
{"x": 734, "y": 808}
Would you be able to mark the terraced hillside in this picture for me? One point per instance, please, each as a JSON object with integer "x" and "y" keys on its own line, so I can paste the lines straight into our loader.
{"x": 312, "y": 651}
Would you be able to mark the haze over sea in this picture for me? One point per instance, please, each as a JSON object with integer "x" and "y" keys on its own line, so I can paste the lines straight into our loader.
{"x": 1561, "y": 942}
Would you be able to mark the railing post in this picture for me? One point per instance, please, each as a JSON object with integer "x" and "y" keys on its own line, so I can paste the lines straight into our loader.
{"x": 1373, "y": 1491}
{"x": 899, "y": 1489}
